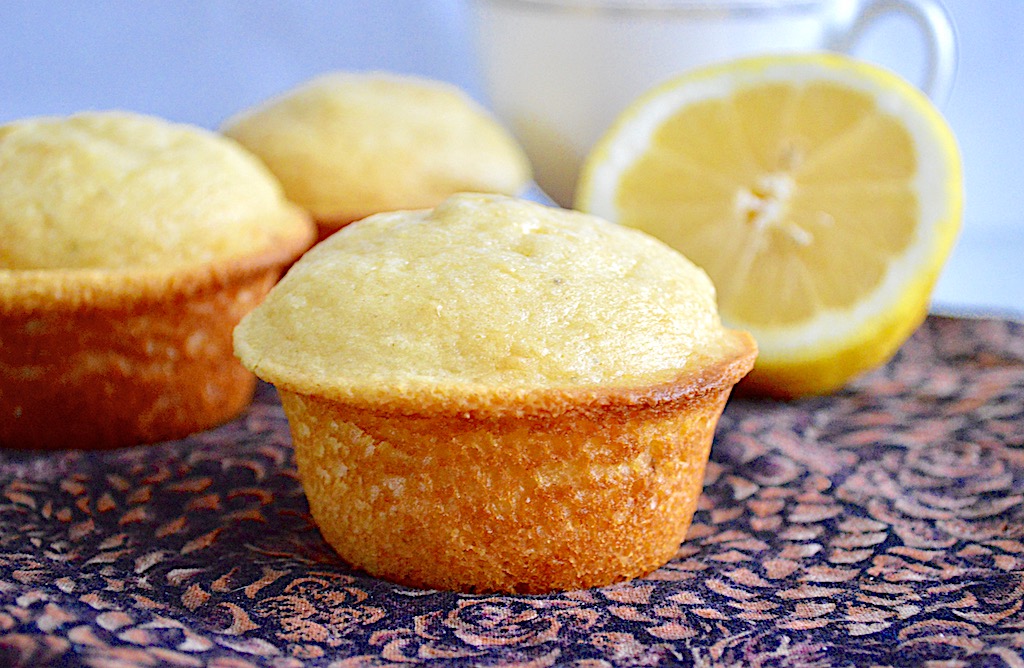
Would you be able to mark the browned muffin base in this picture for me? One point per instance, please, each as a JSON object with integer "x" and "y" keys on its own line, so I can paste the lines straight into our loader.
{"x": 511, "y": 503}
{"x": 125, "y": 373}
{"x": 325, "y": 227}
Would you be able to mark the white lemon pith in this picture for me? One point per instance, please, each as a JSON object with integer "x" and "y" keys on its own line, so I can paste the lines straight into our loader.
{"x": 820, "y": 193}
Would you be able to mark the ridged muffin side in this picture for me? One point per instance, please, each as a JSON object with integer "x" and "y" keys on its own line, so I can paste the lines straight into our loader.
{"x": 526, "y": 504}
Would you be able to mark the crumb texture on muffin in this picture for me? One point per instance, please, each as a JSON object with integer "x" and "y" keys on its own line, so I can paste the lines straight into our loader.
{"x": 485, "y": 291}
{"x": 122, "y": 375}
{"x": 130, "y": 247}
{"x": 512, "y": 505}
{"x": 348, "y": 144}
{"x": 117, "y": 190}
{"x": 495, "y": 395}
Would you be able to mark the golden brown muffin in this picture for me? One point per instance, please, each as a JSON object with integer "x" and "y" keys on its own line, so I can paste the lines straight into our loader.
{"x": 131, "y": 247}
{"x": 498, "y": 396}
{"x": 347, "y": 145}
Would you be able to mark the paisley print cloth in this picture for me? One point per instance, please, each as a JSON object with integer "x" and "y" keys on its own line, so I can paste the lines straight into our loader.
{"x": 883, "y": 525}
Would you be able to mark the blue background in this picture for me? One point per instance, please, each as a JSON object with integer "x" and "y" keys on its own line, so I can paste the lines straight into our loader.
{"x": 200, "y": 62}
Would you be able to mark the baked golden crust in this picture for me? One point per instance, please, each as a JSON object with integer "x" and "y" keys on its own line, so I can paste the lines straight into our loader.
{"x": 106, "y": 373}
{"x": 131, "y": 248}
{"x": 525, "y": 504}
{"x": 25, "y": 291}
{"x": 484, "y": 295}
{"x": 116, "y": 190}
{"x": 346, "y": 145}
{"x": 709, "y": 374}
{"x": 497, "y": 395}
{"x": 104, "y": 363}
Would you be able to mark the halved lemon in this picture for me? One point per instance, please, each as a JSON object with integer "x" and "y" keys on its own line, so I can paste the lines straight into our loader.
{"x": 822, "y": 195}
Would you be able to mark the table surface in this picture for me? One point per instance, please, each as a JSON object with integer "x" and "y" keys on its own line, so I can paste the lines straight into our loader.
{"x": 882, "y": 525}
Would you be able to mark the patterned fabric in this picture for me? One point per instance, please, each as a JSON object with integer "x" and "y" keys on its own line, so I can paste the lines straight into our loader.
{"x": 883, "y": 525}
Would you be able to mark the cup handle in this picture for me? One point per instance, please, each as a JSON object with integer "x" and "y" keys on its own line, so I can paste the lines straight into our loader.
{"x": 936, "y": 26}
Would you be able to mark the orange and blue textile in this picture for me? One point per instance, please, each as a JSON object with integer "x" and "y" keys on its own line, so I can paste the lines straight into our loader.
{"x": 883, "y": 525}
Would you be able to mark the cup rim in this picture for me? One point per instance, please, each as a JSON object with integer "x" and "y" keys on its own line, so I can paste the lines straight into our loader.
{"x": 662, "y": 6}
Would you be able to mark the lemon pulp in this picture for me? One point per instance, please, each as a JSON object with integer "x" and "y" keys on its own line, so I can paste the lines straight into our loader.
{"x": 820, "y": 193}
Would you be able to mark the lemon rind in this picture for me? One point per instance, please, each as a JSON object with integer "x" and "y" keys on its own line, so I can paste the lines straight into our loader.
{"x": 897, "y": 305}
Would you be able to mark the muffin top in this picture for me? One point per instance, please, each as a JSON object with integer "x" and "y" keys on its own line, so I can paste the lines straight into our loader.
{"x": 346, "y": 145}
{"x": 487, "y": 298}
{"x": 122, "y": 191}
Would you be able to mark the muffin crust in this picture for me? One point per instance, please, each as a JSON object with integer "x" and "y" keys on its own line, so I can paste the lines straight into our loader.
{"x": 486, "y": 294}
{"x": 498, "y": 396}
{"x": 346, "y": 145}
{"x": 117, "y": 191}
{"x": 131, "y": 248}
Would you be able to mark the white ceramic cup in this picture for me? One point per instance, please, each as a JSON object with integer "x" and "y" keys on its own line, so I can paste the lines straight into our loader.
{"x": 558, "y": 72}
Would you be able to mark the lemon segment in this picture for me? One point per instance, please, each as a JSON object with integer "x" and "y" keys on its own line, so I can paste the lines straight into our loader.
{"x": 821, "y": 194}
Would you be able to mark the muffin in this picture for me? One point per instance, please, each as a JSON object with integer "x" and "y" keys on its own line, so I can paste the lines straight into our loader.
{"x": 495, "y": 395}
{"x": 347, "y": 145}
{"x": 131, "y": 247}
